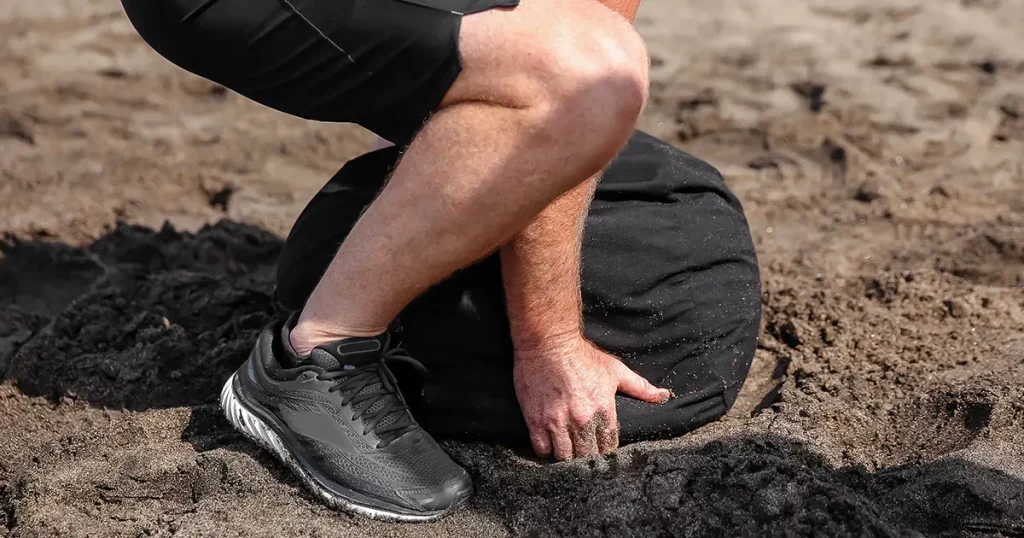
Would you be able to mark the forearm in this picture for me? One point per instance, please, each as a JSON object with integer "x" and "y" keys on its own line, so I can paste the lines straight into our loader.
{"x": 541, "y": 270}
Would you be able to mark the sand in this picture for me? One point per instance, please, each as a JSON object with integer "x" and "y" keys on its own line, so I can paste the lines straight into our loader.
{"x": 877, "y": 146}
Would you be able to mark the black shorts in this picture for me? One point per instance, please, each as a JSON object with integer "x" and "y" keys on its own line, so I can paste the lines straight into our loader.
{"x": 670, "y": 284}
{"x": 384, "y": 64}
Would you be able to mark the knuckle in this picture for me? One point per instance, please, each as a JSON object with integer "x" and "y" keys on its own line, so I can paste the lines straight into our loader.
{"x": 581, "y": 416}
{"x": 536, "y": 422}
{"x": 555, "y": 422}
{"x": 547, "y": 418}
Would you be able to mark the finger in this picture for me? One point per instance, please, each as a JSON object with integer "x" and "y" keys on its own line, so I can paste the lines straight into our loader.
{"x": 541, "y": 440}
{"x": 562, "y": 444}
{"x": 634, "y": 385}
{"x": 584, "y": 439}
{"x": 607, "y": 429}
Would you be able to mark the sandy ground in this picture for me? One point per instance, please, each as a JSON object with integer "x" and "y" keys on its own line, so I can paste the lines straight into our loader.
{"x": 877, "y": 146}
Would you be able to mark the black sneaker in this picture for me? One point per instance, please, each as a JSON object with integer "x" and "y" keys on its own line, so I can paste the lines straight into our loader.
{"x": 339, "y": 422}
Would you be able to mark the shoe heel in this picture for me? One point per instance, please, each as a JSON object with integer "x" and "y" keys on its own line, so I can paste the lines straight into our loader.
{"x": 248, "y": 423}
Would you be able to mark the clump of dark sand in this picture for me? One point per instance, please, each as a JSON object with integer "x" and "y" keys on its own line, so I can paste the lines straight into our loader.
{"x": 757, "y": 485}
{"x": 171, "y": 316}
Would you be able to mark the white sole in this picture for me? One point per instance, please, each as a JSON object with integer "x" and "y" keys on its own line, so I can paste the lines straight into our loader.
{"x": 255, "y": 429}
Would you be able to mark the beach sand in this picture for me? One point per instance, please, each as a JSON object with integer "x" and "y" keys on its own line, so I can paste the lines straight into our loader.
{"x": 877, "y": 147}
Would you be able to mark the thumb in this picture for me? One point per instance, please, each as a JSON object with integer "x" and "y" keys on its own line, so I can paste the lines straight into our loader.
{"x": 634, "y": 385}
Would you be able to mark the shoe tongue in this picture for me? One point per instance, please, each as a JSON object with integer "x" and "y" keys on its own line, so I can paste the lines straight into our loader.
{"x": 350, "y": 352}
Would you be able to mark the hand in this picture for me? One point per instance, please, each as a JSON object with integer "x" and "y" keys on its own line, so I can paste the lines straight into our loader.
{"x": 567, "y": 389}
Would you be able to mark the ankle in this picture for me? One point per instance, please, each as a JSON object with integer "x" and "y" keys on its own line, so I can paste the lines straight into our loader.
{"x": 308, "y": 334}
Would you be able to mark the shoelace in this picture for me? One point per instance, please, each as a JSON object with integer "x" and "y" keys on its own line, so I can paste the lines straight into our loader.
{"x": 352, "y": 382}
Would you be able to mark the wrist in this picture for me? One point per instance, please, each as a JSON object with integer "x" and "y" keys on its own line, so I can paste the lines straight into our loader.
{"x": 528, "y": 346}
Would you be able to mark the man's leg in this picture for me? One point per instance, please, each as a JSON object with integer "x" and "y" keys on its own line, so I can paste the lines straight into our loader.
{"x": 549, "y": 93}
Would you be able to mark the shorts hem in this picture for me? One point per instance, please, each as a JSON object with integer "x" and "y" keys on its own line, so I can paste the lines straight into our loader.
{"x": 446, "y": 78}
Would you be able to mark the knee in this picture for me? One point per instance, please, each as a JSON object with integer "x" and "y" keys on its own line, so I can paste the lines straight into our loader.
{"x": 598, "y": 76}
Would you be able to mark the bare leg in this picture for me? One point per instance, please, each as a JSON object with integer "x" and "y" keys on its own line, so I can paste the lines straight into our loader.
{"x": 550, "y": 93}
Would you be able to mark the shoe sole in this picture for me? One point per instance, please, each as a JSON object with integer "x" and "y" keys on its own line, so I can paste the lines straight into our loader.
{"x": 250, "y": 425}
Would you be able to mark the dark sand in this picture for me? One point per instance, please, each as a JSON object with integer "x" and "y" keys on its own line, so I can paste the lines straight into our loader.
{"x": 877, "y": 146}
